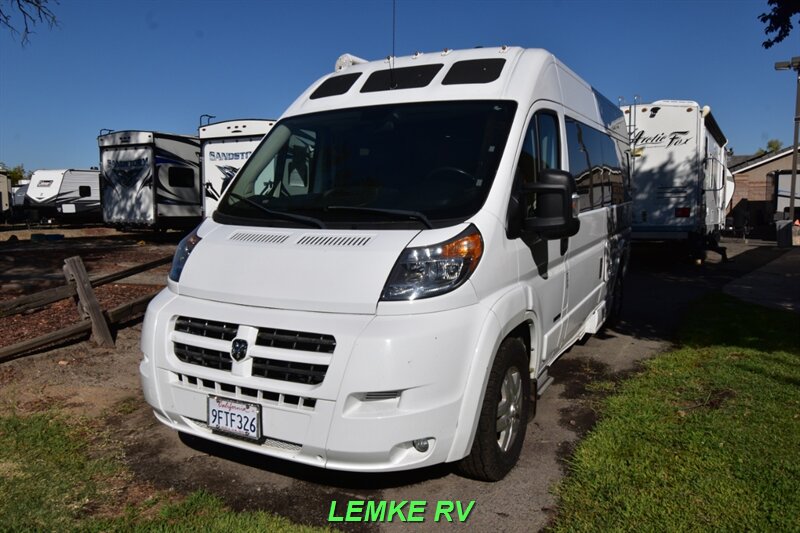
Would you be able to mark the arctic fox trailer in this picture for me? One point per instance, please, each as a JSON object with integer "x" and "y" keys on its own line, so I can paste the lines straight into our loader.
{"x": 225, "y": 146}
{"x": 383, "y": 286}
{"x": 681, "y": 183}
{"x": 150, "y": 179}
{"x": 64, "y": 194}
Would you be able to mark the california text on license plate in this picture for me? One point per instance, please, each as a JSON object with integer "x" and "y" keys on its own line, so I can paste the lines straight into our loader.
{"x": 237, "y": 418}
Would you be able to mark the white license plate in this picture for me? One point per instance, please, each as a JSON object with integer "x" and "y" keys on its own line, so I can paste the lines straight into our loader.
{"x": 234, "y": 417}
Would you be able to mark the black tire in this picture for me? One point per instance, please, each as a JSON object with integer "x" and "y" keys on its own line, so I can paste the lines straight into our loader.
{"x": 487, "y": 461}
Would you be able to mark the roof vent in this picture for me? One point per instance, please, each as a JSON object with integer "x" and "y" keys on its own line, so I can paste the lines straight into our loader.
{"x": 346, "y": 61}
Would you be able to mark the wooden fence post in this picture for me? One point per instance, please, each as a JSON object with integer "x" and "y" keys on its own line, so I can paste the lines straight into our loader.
{"x": 74, "y": 268}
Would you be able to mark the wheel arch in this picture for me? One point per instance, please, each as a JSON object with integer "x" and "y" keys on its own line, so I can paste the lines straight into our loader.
{"x": 508, "y": 318}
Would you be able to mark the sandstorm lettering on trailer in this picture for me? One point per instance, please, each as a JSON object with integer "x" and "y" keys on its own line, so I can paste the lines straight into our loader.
{"x": 229, "y": 156}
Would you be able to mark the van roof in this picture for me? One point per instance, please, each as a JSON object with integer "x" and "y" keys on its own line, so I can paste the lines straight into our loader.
{"x": 497, "y": 73}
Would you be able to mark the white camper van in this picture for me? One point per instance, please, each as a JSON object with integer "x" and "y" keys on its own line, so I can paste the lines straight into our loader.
{"x": 682, "y": 186}
{"x": 225, "y": 147}
{"x": 63, "y": 194}
{"x": 390, "y": 276}
{"x": 150, "y": 179}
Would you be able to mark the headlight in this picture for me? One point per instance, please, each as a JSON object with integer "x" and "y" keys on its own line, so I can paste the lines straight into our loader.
{"x": 185, "y": 247}
{"x": 433, "y": 270}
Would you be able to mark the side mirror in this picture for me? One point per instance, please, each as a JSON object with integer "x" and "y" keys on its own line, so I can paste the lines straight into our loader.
{"x": 555, "y": 215}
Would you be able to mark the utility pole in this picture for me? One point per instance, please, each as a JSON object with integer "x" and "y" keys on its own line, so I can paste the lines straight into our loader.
{"x": 794, "y": 65}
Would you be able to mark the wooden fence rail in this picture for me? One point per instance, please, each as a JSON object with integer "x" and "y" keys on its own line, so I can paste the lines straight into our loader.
{"x": 48, "y": 296}
{"x": 79, "y": 284}
{"x": 116, "y": 315}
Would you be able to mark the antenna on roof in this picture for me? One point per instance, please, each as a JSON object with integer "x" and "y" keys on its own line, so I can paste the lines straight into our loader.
{"x": 392, "y": 84}
{"x": 207, "y": 117}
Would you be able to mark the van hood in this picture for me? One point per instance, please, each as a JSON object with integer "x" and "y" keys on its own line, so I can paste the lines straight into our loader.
{"x": 294, "y": 269}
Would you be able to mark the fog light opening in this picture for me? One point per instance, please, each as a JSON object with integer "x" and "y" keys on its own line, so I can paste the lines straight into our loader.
{"x": 421, "y": 445}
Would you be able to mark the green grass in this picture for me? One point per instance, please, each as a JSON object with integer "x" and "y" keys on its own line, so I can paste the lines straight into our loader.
{"x": 705, "y": 438}
{"x": 50, "y": 481}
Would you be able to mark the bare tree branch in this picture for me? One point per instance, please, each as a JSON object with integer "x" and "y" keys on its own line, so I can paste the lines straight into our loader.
{"x": 21, "y": 16}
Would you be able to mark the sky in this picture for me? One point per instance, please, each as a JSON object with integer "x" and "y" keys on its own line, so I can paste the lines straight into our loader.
{"x": 159, "y": 65}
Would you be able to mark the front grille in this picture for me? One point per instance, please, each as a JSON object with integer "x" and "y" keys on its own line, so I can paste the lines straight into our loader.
{"x": 246, "y": 393}
{"x": 206, "y": 357}
{"x": 307, "y": 373}
{"x": 296, "y": 340}
{"x": 206, "y": 328}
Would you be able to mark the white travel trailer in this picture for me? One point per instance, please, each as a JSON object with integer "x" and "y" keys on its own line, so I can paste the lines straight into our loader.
{"x": 682, "y": 186}
{"x": 63, "y": 194}
{"x": 150, "y": 179}
{"x": 388, "y": 279}
{"x": 5, "y": 195}
{"x": 225, "y": 146}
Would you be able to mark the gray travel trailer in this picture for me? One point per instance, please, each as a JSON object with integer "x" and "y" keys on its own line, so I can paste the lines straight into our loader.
{"x": 225, "y": 146}
{"x": 150, "y": 179}
{"x": 64, "y": 194}
{"x": 18, "y": 193}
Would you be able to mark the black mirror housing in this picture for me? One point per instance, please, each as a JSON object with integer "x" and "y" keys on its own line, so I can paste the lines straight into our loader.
{"x": 554, "y": 216}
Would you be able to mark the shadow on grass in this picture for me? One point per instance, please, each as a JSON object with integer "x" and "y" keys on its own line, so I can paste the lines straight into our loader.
{"x": 719, "y": 320}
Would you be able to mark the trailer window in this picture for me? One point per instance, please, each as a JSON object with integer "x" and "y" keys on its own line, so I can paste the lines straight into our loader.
{"x": 180, "y": 177}
{"x": 84, "y": 191}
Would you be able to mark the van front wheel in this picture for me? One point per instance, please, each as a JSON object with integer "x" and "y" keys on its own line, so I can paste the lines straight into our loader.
{"x": 504, "y": 415}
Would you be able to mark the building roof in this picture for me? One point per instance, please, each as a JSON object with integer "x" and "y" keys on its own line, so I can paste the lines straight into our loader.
{"x": 755, "y": 160}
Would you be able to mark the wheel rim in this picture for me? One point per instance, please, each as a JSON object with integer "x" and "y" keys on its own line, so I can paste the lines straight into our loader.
{"x": 509, "y": 409}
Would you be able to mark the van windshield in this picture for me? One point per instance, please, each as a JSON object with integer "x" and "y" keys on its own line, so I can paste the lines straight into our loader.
{"x": 422, "y": 164}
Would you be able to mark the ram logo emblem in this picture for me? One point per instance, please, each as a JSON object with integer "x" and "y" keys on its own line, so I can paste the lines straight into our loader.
{"x": 239, "y": 349}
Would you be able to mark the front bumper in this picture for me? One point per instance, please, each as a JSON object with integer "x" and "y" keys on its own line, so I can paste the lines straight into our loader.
{"x": 389, "y": 381}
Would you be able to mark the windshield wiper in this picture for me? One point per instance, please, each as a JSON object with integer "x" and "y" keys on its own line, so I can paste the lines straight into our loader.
{"x": 415, "y": 215}
{"x": 309, "y": 221}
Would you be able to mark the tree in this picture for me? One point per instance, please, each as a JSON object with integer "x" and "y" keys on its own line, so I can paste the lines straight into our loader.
{"x": 779, "y": 20}
{"x": 20, "y": 16}
{"x": 773, "y": 145}
{"x": 17, "y": 173}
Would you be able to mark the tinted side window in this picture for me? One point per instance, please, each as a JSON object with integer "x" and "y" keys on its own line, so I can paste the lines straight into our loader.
{"x": 579, "y": 163}
{"x": 548, "y": 145}
{"x": 595, "y": 163}
{"x": 540, "y": 150}
{"x": 84, "y": 191}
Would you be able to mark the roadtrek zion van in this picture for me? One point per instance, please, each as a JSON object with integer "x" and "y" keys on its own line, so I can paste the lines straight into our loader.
{"x": 397, "y": 264}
